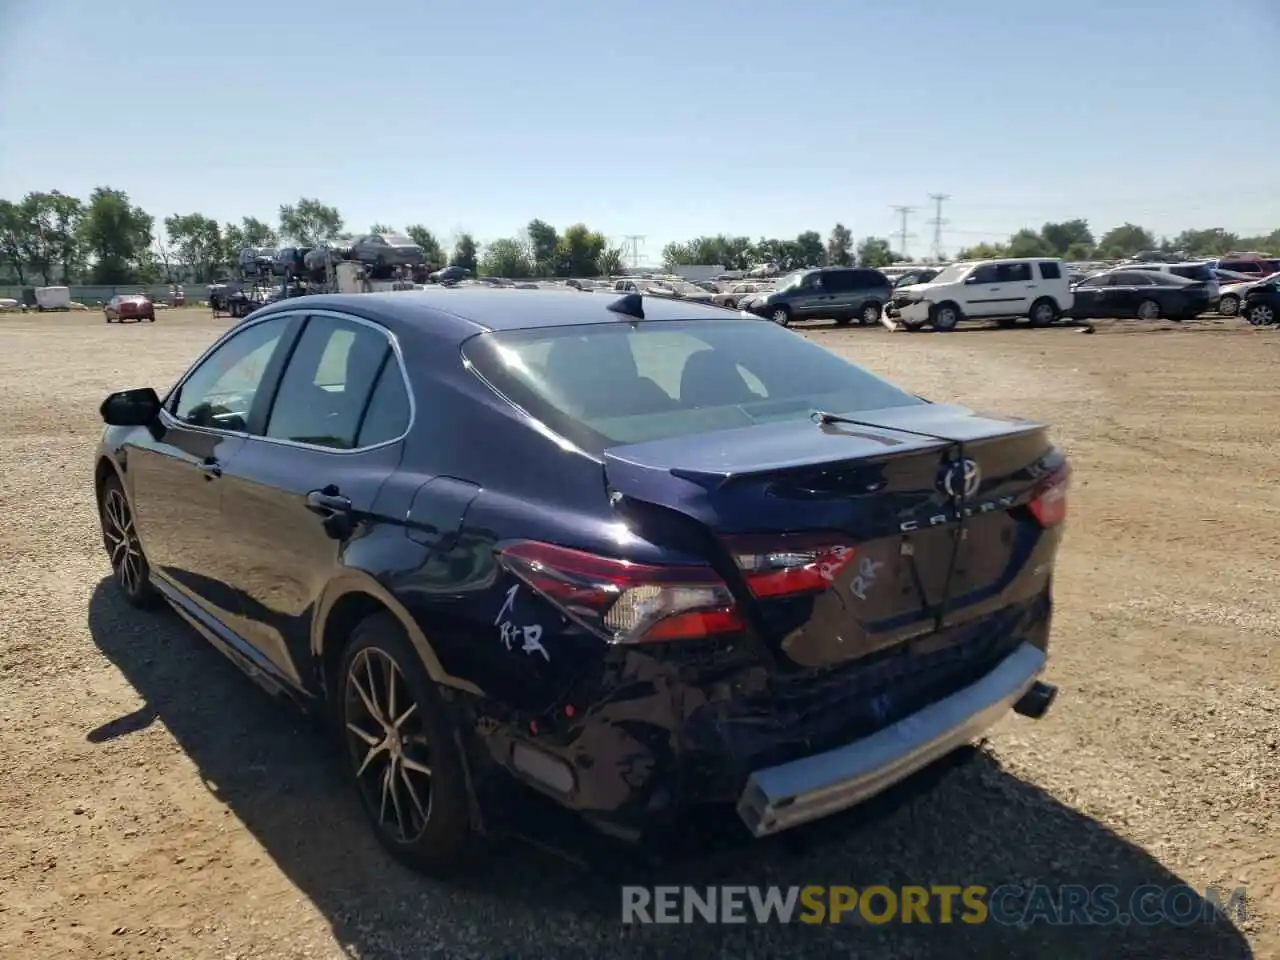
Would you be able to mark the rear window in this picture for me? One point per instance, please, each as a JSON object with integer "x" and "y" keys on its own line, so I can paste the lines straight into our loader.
{"x": 1193, "y": 271}
{"x": 604, "y": 385}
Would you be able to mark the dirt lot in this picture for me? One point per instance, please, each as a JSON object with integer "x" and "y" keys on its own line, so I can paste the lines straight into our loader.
{"x": 154, "y": 803}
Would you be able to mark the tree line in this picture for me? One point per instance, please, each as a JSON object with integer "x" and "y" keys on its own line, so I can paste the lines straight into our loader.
{"x": 52, "y": 237}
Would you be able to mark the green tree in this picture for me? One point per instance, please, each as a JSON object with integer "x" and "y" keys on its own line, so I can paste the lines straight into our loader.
{"x": 1028, "y": 243}
{"x": 810, "y": 250}
{"x": 840, "y": 246}
{"x": 876, "y": 252}
{"x": 197, "y": 244}
{"x": 117, "y": 235}
{"x": 310, "y": 222}
{"x": 68, "y": 215}
{"x": 1059, "y": 238}
{"x": 544, "y": 246}
{"x": 432, "y": 251}
{"x": 580, "y": 250}
{"x": 1213, "y": 242}
{"x": 1124, "y": 241}
{"x": 464, "y": 253}
{"x": 38, "y": 243}
{"x": 506, "y": 258}
{"x": 783, "y": 254}
{"x": 983, "y": 251}
{"x": 12, "y": 237}
{"x": 610, "y": 262}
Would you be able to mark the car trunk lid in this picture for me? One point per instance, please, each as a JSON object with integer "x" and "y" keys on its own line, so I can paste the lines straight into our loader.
{"x": 917, "y": 515}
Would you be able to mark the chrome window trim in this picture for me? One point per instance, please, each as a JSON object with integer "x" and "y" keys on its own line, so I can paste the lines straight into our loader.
{"x": 170, "y": 420}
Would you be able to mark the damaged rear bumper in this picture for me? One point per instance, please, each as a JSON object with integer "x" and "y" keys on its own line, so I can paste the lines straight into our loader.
{"x": 789, "y": 794}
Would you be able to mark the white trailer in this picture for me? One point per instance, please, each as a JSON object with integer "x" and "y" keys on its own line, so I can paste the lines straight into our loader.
{"x": 53, "y": 298}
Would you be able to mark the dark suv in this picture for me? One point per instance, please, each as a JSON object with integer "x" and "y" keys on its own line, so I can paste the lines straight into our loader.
{"x": 842, "y": 294}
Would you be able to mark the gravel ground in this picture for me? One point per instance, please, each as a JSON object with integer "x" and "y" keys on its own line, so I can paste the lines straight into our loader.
{"x": 153, "y": 803}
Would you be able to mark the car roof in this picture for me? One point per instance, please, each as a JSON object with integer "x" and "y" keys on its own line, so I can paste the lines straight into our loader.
{"x": 483, "y": 308}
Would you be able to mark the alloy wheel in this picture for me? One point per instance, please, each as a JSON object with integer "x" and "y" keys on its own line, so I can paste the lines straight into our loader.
{"x": 1261, "y": 315}
{"x": 387, "y": 744}
{"x": 870, "y": 314}
{"x": 1148, "y": 310}
{"x": 1044, "y": 315}
{"x": 1228, "y": 306}
{"x": 781, "y": 317}
{"x": 123, "y": 546}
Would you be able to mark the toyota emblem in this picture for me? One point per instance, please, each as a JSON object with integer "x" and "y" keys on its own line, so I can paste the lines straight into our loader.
{"x": 962, "y": 479}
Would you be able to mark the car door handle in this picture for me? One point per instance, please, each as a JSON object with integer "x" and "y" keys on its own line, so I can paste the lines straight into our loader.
{"x": 211, "y": 467}
{"x": 327, "y": 502}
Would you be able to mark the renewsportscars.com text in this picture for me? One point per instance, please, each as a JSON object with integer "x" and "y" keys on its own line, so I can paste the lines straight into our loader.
{"x": 1008, "y": 904}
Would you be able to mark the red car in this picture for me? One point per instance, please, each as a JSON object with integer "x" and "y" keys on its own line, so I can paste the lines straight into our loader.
{"x": 130, "y": 306}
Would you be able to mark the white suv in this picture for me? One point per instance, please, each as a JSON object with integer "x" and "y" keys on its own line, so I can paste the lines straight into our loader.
{"x": 1037, "y": 288}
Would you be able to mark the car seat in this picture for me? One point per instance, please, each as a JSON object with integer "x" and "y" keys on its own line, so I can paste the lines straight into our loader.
{"x": 597, "y": 377}
{"x": 712, "y": 379}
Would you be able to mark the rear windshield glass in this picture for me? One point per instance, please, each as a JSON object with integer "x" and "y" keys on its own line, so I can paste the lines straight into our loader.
{"x": 604, "y": 385}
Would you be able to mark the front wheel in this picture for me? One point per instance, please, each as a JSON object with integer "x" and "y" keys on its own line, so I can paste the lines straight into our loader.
{"x": 945, "y": 317}
{"x": 1260, "y": 315}
{"x": 781, "y": 316}
{"x": 870, "y": 314}
{"x": 402, "y": 751}
{"x": 1229, "y": 306}
{"x": 129, "y": 564}
{"x": 1148, "y": 310}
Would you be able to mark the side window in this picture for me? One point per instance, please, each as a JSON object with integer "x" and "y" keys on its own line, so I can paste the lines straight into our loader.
{"x": 220, "y": 392}
{"x": 1093, "y": 283}
{"x": 1050, "y": 270}
{"x": 387, "y": 416}
{"x": 328, "y": 383}
{"x": 870, "y": 280}
{"x": 1014, "y": 273}
{"x": 987, "y": 273}
{"x": 837, "y": 281}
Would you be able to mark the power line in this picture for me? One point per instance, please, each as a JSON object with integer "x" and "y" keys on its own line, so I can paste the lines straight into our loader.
{"x": 903, "y": 235}
{"x": 633, "y": 242}
{"x": 938, "y": 200}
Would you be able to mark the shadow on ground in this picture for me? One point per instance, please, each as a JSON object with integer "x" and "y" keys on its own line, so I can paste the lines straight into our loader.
{"x": 281, "y": 779}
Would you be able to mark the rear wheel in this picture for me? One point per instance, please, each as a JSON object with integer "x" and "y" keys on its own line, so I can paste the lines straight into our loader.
{"x": 1148, "y": 310}
{"x": 781, "y": 316}
{"x": 402, "y": 752}
{"x": 870, "y": 314}
{"x": 128, "y": 563}
{"x": 1229, "y": 305}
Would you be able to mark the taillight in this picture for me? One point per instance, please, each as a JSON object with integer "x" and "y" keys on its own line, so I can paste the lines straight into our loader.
{"x": 790, "y": 564}
{"x": 626, "y": 602}
{"x": 1049, "y": 504}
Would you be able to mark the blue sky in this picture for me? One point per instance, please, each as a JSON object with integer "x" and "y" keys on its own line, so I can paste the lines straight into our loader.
{"x": 668, "y": 119}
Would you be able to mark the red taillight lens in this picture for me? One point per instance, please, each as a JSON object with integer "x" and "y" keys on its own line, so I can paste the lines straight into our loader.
{"x": 1049, "y": 505}
{"x": 622, "y": 601}
{"x": 790, "y": 564}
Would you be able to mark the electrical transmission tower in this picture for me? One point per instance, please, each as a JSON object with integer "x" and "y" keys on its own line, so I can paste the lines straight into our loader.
{"x": 633, "y": 244}
{"x": 937, "y": 222}
{"x": 903, "y": 235}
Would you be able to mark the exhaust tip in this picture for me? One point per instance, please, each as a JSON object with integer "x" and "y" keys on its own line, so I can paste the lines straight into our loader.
{"x": 1035, "y": 703}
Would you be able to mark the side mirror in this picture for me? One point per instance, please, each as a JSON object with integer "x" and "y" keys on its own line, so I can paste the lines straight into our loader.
{"x": 131, "y": 408}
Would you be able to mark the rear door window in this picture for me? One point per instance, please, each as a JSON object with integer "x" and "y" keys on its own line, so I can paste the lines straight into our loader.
{"x": 603, "y": 385}
{"x": 1050, "y": 270}
{"x": 1013, "y": 273}
{"x": 837, "y": 281}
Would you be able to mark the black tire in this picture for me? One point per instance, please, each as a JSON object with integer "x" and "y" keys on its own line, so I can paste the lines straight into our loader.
{"x": 129, "y": 567}
{"x": 945, "y": 317}
{"x": 1260, "y": 314}
{"x": 1044, "y": 312}
{"x": 1229, "y": 305}
{"x": 870, "y": 314}
{"x": 1148, "y": 310}
{"x": 430, "y": 833}
{"x": 780, "y": 315}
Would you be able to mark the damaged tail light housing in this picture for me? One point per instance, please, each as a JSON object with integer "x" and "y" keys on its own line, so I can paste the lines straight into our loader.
{"x": 791, "y": 564}
{"x": 626, "y": 602}
{"x": 1049, "y": 503}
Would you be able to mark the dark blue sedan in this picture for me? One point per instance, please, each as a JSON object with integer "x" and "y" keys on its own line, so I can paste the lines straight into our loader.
{"x": 549, "y": 557}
